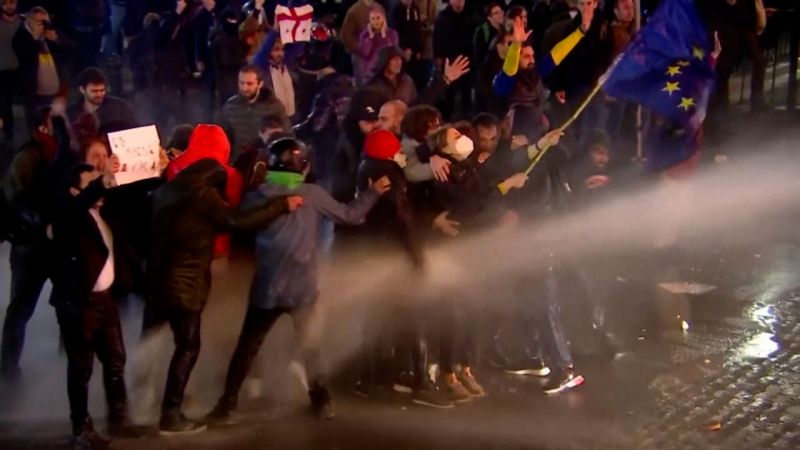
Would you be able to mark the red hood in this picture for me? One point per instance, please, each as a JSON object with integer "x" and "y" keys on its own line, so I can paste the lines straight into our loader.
{"x": 210, "y": 141}
{"x": 206, "y": 141}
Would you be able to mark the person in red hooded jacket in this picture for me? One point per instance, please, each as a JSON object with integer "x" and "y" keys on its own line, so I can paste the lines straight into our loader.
{"x": 195, "y": 204}
{"x": 209, "y": 141}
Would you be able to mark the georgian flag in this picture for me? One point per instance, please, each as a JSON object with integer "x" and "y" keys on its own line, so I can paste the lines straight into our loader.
{"x": 294, "y": 23}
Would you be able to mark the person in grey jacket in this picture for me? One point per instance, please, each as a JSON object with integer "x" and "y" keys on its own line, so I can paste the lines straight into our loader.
{"x": 242, "y": 113}
{"x": 286, "y": 275}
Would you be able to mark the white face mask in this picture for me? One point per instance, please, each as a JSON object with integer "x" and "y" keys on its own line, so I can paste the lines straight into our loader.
{"x": 463, "y": 148}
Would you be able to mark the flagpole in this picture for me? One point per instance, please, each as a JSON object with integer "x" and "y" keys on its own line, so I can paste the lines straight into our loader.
{"x": 569, "y": 122}
{"x": 637, "y": 25}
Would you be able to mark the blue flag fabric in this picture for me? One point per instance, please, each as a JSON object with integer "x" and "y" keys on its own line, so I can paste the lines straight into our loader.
{"x": 667, "y": 66}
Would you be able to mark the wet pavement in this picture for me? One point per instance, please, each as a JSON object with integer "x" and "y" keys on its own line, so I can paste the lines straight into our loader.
{"x": 719, "y": 369}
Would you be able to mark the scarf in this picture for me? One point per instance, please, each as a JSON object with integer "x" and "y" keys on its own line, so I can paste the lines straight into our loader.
{"x": 291, "y": 180}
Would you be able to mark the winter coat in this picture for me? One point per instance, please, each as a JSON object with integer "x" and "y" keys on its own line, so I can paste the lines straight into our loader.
{"x": 173, "y": 38}
{"x": 228, "y": 55}
{"x": 188, "y": 212}
{"x": 368, "y": 52}
{"x": 482, "y": 42}
{"x": 242, "y": 119}
{"x": 113, "y": 111}
{"x": 466, "y": 196}
{"x": 321, "y": 127}
{"x": 261, "y": 59}
{"x": 29, "y": 194}
{"x": 403, "y": 88}
{"x": 452, "y": 34}
{"x": 287, "y": 250}
{"x": 391, "y": 221}
{"x": 355, "y": 21}
{"x": 80, "y": 251}
{"x": 210, "y": 142}
{"x": 410, "y": 29}
{"x": 27, "y": 50}
{"x": 583, "y": 65}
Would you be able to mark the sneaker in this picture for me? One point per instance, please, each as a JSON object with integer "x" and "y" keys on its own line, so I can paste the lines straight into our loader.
{"x": 404, "y": 383}
{"x": 89, "y": 439}
{"x": 360, "y": 389}
{"x": 321, "y": 405}
{"x": 429, "y": 396}
{"x": 179, "y": 424}
{"x": 453, "y": 388}
{"x": 536, "y": 368}
{"x": 220, "y": 416}
{"x": 469, "y": 382}
{"x": 565, "y": 381}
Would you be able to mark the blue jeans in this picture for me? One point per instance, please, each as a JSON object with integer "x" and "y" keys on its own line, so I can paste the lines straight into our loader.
{"x": 545, "y": 319}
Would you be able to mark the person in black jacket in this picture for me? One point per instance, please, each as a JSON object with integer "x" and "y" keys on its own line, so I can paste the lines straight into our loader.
{"x": 577, "y": 74}
{"x": 390, "y": 227}
{"x": 107, "y": 108}
{"x": 452, "y": 37}
{"x": 29, "y": 193}
{"x": 406, "y": 21}
{"x": 86, "y": 311}
{"x": 39, "y": 68}
{"x": 187, "y": 213}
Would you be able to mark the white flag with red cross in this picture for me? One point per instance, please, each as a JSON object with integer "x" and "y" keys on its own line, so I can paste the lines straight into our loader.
{"x": 294, "y": 23}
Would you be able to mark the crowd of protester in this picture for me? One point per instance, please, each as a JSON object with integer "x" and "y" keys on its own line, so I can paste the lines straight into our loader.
{"x": 405, "y": 123}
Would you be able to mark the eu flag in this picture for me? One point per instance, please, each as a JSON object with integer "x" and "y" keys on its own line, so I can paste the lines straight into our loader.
{"x": 667, "y": 66}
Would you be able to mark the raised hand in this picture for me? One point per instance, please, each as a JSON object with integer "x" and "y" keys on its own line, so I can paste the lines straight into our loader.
{"x": 456, "y": 69}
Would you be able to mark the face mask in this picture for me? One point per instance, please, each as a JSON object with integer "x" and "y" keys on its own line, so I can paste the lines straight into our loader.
{"x": 463, "y": 148}
{"x": 400, "y": 159}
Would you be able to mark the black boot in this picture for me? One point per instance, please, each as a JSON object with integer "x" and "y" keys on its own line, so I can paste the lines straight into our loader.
{"x": 86, "y": 438}
{"x": 321, "y": 405}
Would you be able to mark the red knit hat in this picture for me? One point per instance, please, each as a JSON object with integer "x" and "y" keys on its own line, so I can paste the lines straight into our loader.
{"x": 381, "y": 144}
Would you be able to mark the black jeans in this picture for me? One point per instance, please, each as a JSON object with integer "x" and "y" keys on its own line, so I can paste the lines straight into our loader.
{"x": 257, "y": 323}
{"x": 94, "y": 329}
{"x": 8, "y": 86}
{"x": 30, "y": 268}
{"x": 185, "y": 325}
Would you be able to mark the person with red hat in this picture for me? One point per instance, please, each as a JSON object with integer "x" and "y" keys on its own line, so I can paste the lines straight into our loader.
{"x": 188, "y": 211}
{"x": 389, "y": 226}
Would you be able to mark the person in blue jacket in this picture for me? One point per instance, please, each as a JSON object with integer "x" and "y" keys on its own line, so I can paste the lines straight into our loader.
{"x": 286, "y": 274}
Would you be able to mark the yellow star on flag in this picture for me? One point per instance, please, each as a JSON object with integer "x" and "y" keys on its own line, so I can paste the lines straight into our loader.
{"x": 683, "y": 63}
{"x": 671, "y": 87}
{"x": 673, "y": 70}
{"x": 686, "y": 103}
{"x": 698, "y": 53}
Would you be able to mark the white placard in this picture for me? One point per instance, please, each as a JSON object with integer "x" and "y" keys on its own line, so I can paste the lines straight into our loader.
{"x": 138, "y": 150}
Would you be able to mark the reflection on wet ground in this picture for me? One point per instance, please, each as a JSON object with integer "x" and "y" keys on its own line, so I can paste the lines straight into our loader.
{"x": 730, "y": 380}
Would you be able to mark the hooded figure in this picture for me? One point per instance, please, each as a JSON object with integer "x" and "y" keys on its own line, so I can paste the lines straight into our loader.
{"x": 188, "y": 211}
{"x": 278, "y": 76}
{"x": 394, "y": 84}
{"x": 210, "y": 141}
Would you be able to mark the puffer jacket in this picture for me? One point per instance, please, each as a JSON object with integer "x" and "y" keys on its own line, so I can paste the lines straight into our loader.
{"x": 242, "y": 119}
{"x": 209, "y": 141}
{"x": 188, "y": 212}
